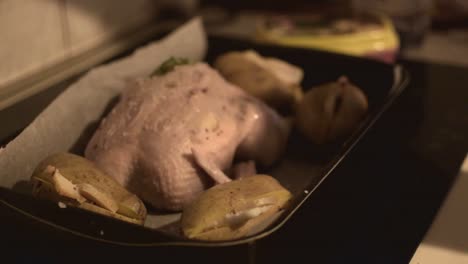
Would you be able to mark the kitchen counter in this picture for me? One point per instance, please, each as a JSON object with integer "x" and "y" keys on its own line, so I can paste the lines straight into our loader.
{"x": 447, "y": 239}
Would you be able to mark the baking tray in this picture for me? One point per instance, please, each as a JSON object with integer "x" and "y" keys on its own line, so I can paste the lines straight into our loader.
{"x": 303, "y": 168}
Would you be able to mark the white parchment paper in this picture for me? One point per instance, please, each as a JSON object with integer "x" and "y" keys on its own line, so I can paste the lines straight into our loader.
{"x": 59, "y": 127}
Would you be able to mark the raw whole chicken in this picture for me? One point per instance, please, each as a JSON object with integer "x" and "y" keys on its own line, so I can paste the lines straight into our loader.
{"x": 172, "y": 136}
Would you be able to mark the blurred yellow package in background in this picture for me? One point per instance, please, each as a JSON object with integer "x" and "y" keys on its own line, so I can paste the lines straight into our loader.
{"x": 369, "y": 35}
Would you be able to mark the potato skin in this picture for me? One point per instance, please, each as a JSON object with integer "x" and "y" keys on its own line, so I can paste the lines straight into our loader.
{"x": 79, "y": 170}
{"x": 205, "y": 218}
{"x": 331, "y": 111}
{"x": 273, "y": 81}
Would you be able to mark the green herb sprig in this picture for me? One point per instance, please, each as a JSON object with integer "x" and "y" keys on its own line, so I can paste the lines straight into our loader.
{"x": 169, "y": 65}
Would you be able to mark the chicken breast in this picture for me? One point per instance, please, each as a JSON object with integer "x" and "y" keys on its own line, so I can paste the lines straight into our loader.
{"x": 170, "y": 137}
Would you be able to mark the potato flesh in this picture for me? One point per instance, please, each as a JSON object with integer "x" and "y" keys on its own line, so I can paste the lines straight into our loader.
{"x": 66, "y": 188}
{"x": 101, "y": 199}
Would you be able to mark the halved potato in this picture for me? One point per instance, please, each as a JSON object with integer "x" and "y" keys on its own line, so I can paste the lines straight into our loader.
{"x": 234, "y": 209}
{"x": 331, "y": 110}
{"x": 274, "y": 81}
{"x": 75, "y": 181}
